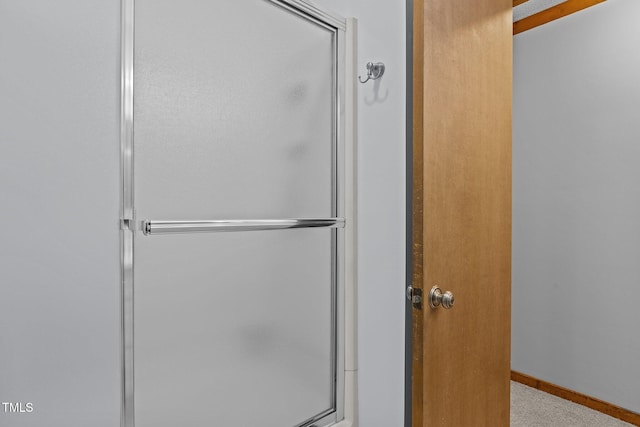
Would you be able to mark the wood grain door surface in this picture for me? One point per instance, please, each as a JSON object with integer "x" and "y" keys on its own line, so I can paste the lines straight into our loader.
{"x": 462, "y": 211}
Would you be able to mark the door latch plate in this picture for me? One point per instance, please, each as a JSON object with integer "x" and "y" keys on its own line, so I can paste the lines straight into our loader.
{"x": 415, "y": 296}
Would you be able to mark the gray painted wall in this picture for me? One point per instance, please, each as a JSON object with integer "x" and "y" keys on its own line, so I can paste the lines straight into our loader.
{"x": 576, "y": 202}
{"x": 59, "y": 247}
{"x": 59, "y": 259}
{"x": 381, "y": 209}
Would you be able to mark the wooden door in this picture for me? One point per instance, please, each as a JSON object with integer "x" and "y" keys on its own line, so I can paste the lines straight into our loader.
{"x": 462, "y": 211}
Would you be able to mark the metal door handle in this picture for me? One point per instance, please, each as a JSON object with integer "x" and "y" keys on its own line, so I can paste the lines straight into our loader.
{"x": 166, "y": 227}
{"x": 437, "y": 298}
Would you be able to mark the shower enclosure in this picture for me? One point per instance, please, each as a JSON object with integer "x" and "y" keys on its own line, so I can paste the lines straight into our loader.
{"x": 233, "y": 213}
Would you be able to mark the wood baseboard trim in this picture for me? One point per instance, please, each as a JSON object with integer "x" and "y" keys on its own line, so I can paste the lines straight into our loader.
{"x": 579, "y": 398}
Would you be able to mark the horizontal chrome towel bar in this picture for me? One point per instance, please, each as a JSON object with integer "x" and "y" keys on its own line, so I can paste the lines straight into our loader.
{"x": 214, "y": 226}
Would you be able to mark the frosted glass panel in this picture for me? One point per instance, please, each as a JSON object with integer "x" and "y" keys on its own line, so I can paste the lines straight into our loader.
{"x": 234, "y": 111}
{"x": 233, "y": 329}
{"x": 234, "y": 118}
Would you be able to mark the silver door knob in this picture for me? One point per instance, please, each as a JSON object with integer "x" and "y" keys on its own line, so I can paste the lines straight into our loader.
{"x": 437, "y": 298}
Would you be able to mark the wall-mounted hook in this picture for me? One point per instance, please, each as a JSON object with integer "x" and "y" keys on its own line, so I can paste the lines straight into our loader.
{"x": 374, "y": 71}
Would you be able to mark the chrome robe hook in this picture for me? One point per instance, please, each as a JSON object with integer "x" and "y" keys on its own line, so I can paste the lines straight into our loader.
{"x": 374, "y": 71}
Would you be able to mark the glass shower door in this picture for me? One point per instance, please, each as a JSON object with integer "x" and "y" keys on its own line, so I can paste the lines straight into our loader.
{"x": 232, "y": 173}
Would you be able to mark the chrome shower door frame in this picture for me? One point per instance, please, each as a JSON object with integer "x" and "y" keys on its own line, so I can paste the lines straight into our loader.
{"x": 132, "y": 227}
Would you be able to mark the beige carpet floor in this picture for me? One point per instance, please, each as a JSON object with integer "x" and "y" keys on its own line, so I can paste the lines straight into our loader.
{"x": 534, "y": 408}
